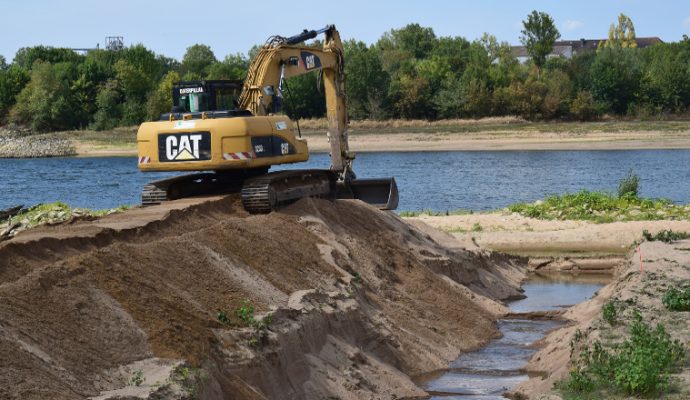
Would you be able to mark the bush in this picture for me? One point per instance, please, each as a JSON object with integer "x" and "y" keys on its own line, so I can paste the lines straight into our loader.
{"x": 677, "y": 300}
{"x": 629, "y": 185}
{"x": 583, "y": 107}
{"x": 609, "y": 312}
{"x": 639, "y": 366}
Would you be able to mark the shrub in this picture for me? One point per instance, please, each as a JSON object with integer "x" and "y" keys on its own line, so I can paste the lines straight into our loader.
{"x": 629, "y": 185}
{"x": 677, "y": 300}
{"x": 223, "y": 318}
{"x": 583, "y": 106}
{"x": 639, "y": 366}
{"x": 609, "y": 312}
{"x": 246, "y": 312}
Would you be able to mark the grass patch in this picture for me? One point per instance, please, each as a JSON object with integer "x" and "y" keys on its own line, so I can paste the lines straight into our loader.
{"x": 601, "y": 207}
{"x": 51, "y": 214}
{"x": 640, "y": 365}
{"x": 677, "y": 299}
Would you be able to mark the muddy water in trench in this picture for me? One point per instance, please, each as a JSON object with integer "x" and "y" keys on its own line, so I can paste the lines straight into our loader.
{"x": 490, "y": 371}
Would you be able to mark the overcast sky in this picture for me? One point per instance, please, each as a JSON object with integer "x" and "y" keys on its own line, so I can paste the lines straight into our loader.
{"x": 169, "y": 27}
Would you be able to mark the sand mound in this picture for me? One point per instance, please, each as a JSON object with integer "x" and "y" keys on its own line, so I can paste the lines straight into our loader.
{"x": 126, "y": 306}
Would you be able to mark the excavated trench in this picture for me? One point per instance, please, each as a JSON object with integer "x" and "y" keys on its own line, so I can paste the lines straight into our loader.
{"x": 490, "y": 372}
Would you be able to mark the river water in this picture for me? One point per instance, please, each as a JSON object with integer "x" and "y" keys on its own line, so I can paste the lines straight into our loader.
{"x": 498, "y": 367}
{"x": 439, "y": 181}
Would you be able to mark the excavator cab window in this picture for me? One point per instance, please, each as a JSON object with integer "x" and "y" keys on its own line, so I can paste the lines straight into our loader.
{"x": 193, "y": 102}
{"x": 218, "y": 98}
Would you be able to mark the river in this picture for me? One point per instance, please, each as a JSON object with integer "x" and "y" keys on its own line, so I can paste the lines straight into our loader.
{"x": 478, "y": 180}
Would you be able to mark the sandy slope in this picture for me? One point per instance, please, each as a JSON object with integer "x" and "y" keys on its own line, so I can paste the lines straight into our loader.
{"x": 359, "y": 300}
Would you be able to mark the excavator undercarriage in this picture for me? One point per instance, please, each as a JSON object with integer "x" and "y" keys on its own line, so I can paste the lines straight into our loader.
{"x": 264, "y": 192}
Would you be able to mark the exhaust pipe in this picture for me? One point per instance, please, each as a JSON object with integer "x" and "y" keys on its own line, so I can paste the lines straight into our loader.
{"x": 379, "y": 192}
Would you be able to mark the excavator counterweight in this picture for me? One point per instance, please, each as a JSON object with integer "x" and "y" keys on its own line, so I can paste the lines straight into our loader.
{"x": 232, "y": 149}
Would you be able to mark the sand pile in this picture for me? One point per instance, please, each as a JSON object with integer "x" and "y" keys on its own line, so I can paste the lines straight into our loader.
{"x": 348, "y": 302}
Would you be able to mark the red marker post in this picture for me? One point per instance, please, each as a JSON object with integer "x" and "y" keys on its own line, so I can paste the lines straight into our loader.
{"x": 640, "y": 251}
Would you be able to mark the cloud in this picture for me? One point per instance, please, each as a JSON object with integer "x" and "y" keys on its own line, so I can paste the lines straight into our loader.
{"x": 570, "y": 25}
{"x": 686, "y": 22}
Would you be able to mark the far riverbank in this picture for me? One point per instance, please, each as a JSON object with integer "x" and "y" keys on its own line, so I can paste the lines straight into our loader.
{"x": 489, "y": 134}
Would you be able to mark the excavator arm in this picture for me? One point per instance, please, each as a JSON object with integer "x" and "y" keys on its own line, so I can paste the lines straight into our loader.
{"x": 283, "y": 58}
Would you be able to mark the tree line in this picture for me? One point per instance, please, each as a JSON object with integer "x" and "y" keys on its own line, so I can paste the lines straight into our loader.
{"x": 409, "y": 73}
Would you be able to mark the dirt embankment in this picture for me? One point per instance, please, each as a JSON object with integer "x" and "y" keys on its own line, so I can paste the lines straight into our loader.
{"x": 579, "y": 246}
{"x": 128, "y": 305}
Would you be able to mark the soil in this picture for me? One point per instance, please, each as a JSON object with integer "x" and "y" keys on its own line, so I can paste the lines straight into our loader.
{"x": 128, "y": 306}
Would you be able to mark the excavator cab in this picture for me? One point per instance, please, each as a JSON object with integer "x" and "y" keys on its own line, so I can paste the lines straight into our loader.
{"x": 191, "y": 98}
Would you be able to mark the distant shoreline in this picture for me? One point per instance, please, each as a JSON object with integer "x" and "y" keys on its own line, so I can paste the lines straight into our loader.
{"x": 490, "y": 134}
{"x": 420, "y": 142}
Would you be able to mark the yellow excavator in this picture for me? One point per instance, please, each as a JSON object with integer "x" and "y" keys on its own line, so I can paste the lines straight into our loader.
{"x": 235, "y": 147}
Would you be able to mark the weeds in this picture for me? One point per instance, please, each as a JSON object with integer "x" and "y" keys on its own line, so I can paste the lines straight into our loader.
{"x": 677, "y": 300}
{"x": 629, "y": 185}
{"x": 610, "y": 313}
{"x": 358, "y": 278}
{"x": 189, "y": 378}
{"x": 246, "y": 314}
{"x": 477, "y": 227}
{"x": 137, "y": 378}
{"x": 666, "y": 236}
{"x": 639, "y": 366}
{"x": 223, "y": 318}
{"x": 601, "y": 207}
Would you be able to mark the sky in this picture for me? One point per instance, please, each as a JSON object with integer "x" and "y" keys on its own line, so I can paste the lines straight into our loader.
{"x": 169, "y": 27}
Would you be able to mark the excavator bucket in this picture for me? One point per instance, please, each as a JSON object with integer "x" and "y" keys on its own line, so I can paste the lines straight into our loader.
{"x": 381, "y": 192}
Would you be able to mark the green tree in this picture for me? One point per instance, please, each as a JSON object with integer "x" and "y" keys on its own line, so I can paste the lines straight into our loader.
{"x": 197, "y": 60}
{"x": 665, "y": 82}
{"x": 109, "y": 106}
{"x": 615, "y": 78}
{"x": 12, "y": 81}
{"x": 538, "y": 36}
{"x": 27, "y": 56}
{"x": 411, "y": 97}
{"x": 367, "y": 82}
{"x": 234, "y": 66}
{"x": 45, "y": 103}
{"x": 303, "y": 98}
{"x": 160, "y": 100}
{"x": 134, "y": 81}
{"x": 415, "y": 40}
{"x": 622, "y": 34}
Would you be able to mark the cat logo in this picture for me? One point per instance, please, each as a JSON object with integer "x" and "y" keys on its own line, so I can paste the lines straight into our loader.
{"x": 310, "y": 60}
{"x": 184, "y": 146}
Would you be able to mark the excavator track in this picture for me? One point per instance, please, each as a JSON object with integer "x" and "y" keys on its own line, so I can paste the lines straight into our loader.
{"x": 196, "y": 184}
{"x": 266, "y": 193}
